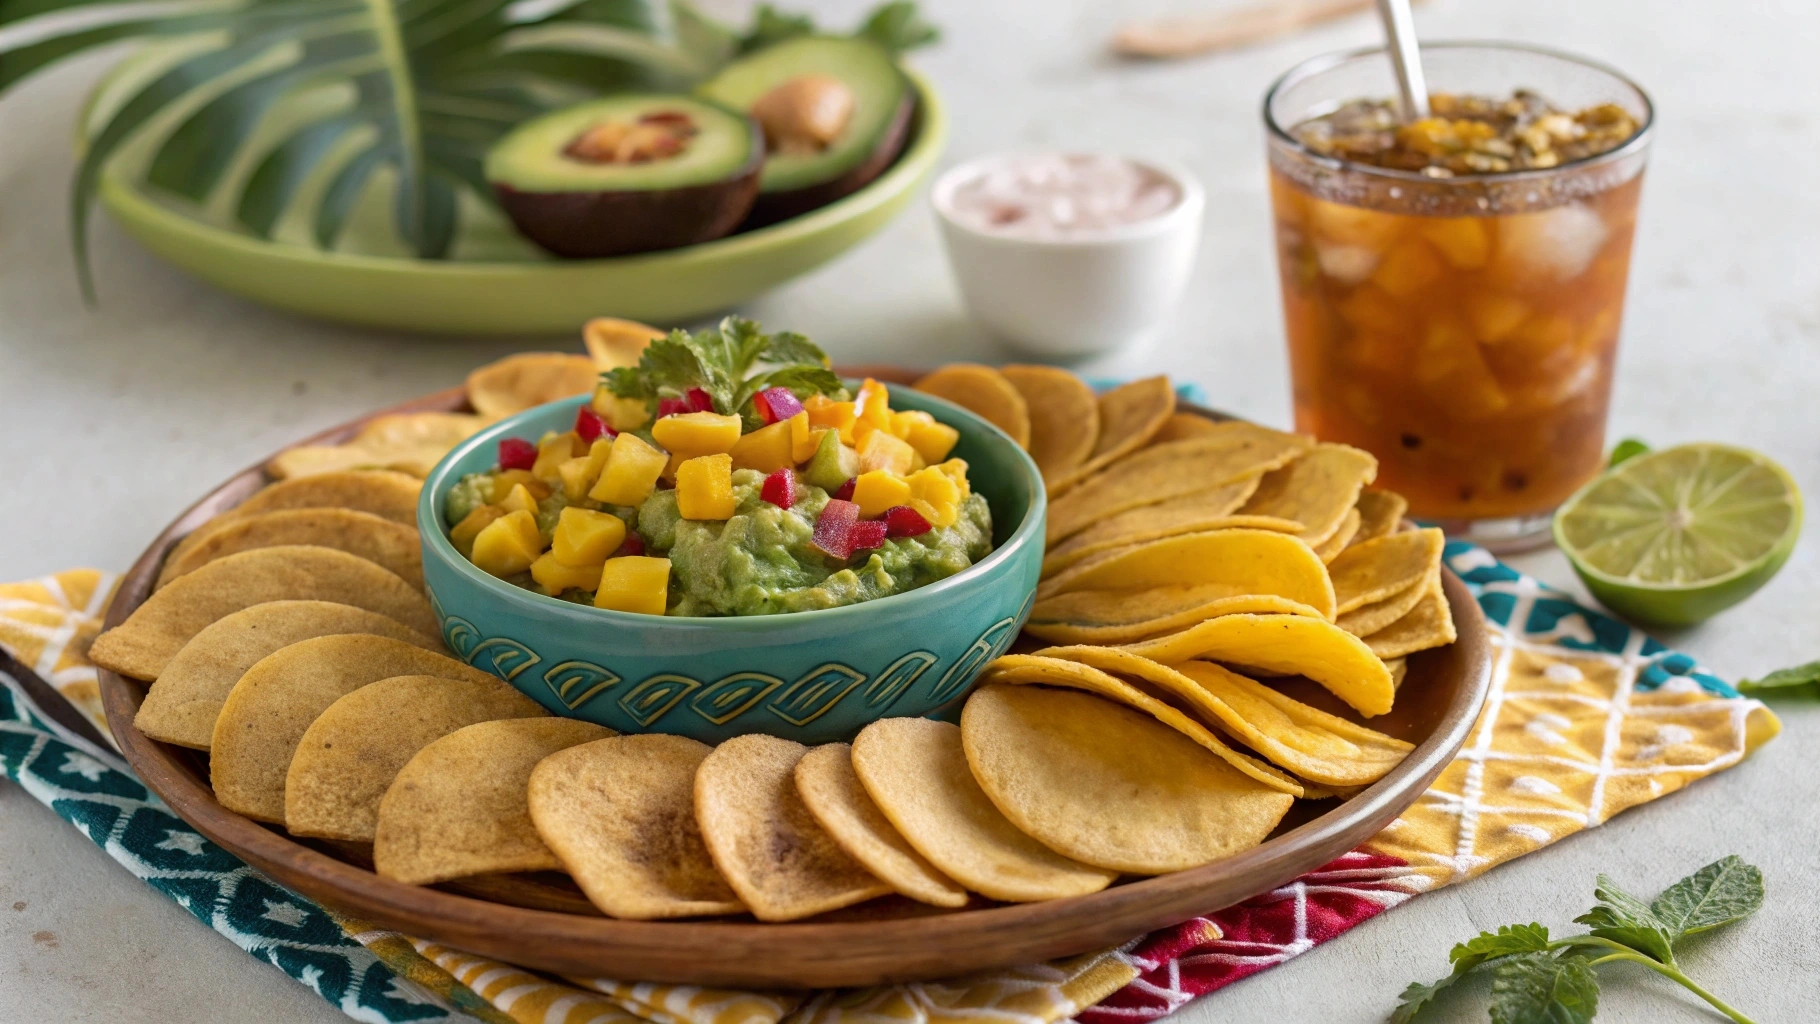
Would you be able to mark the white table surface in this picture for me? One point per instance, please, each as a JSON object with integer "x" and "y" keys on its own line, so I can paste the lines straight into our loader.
{"x": 114, "y": 419}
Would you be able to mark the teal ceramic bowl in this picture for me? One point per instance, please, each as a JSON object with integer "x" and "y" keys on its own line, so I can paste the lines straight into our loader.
{"x": 814, "y": 677}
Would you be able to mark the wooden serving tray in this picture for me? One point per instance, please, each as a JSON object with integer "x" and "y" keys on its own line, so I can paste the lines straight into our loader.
{"x": 543, "y": 923}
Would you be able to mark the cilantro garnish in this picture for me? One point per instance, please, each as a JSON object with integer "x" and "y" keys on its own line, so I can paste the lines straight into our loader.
{"x": 1551, "y": 981}
{"x": 731, "y": 362}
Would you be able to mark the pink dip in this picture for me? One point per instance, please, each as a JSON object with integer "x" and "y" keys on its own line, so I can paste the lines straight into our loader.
{"x": 1061, "y": 196}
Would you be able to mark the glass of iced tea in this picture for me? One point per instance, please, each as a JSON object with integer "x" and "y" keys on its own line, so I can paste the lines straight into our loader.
{"x": 1452, "y": 287}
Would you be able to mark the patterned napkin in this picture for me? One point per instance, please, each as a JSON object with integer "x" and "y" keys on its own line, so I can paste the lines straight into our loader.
{"x": 1586, "y": 717}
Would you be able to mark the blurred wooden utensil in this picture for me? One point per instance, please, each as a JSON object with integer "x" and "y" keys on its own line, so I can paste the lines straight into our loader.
{"x": 1188, "y": 35}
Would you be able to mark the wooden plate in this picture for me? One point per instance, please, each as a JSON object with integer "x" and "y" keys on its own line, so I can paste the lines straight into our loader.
{"x": 885, "y": 941}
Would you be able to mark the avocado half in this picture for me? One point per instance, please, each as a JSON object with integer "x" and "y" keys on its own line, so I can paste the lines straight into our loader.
{"x": 628, "y": 173}
{"x": 882, "y": 101}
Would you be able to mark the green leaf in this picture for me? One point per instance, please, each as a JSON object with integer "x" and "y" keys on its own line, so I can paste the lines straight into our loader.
{"x": 1786, "y": 680}
{"x": 898, "y": 27}
{"x": 344, "y": 190}
{"x": 1624, "y": 918}
{"x": 284, "y": 169}
{"x": 1724, "y": 891}
{"x": 1467, "y": 956}
{"x": 788, "y": 347}
{"x": 1536, "y": 988}
{"x": 771, "y": 26}
{"x": 671, "y": 366}
{"x": 1629, "y": 448}
{"x": 802, "y": 380}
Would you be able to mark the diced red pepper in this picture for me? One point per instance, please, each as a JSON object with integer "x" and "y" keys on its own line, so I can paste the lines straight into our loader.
{"x": 632, "y": 545}
{"x": 780, "y": 488}
{"x": 845, "y": 491}
{"x": 590, "y": 427}
{"x": 774, "y": 404}
{"x": 834, "y": 528}
{"x": 517, "y": 453}
{"x": 867, "y": 534}
{"x": 672, "y": 407}
{"x": 699, "y": 400}
{"x": 904, "y": 521}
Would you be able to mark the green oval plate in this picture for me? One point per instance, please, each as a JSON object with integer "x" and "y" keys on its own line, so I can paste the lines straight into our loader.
{"x": 496, "y": 283}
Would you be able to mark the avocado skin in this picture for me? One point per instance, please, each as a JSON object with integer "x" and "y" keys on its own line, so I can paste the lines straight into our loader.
{"x": 772, "y": 207}
{"x": 591, "y": 225}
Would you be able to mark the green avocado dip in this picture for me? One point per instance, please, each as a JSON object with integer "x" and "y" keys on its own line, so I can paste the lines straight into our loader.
{"x": 718, "y": 506}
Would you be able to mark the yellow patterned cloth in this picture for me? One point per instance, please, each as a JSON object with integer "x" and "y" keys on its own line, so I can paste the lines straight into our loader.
{"x": 1571, "y": 735}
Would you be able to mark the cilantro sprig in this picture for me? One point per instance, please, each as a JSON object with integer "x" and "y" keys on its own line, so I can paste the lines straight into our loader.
{"x": 1551, "y": 981}
{"x": 731, "y": 362}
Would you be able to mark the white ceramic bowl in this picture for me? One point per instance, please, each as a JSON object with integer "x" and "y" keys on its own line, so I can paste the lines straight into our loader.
{"x": 1077, "y": 295}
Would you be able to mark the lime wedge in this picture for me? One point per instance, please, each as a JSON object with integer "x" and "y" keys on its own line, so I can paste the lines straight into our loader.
{"x": 1676, "y": 536}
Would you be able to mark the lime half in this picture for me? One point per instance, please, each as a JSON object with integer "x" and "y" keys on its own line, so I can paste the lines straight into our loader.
{"x": 1676, "y": 536}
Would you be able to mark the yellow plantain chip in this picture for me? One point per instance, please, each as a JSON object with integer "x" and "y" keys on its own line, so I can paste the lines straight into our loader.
{"x": 389, "y": 545}
{"x": 1337, "y": 541}
{"x": 1060, "y": 669}
{"x": 613, "y": 343}
{"x": 916, "y": 771}
{"x": 1376, "y": 569}
{"x": 1367, "y": 619}
{"x": 1126, "y": 616}
{"x": 382, "y": 492}
{"x": 1165, "y": 471}
{"x": 1107, "y": 786}
{"x": 1130, "y": 415}
{"x": 1317, "y": 490}
{"x": 529, "y": 379}
{"x": 986, "y": 393}
{"x": 141, "y": 646}
{"x": 1064, "y": 417}
{"x": 829, "y": 788}
{"x": 352, "y": 752}
{"x": 1194, "y": 512}
{"x": 275, "y": 701}
{"x": 1182, "y": 425}
{"x": 459, "y": 806}
{"x": 1428, "y": 624}
{"x": 620, "y": 815}
{"x": 764, "y": 840}
{"x": 1379, "y": 513}
{"x": 1245, "y": 561}
{"x": 181, "y": 707}
{"x": 409, "y": 442}
{"x": 1306, "y": 741}
{"x": 1286, "y": 644}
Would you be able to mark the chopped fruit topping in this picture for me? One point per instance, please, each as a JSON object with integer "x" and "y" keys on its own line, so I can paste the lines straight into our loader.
{"x": 504, "y": 481}
{"x": 517, "y": 453}
{"x": 845, "y": 491}
{"x": 765, "y": 449}
{"x": 699, "y": 400}
{"x": 704, "y": 488}
{"x": 904, "y": 521}
{"x": 519, "y": 500}
{"x": 555, "y": 576}
{"x": 803, "y": 438}
{"x": 580, "y": 473}
{"x": 463, "y": 533}
{"x": 932, "y": 440}
{"x": 877, "y": 491}
{"x": 873, "y": 405}
{"x": 880, "y": 450}
{"x": 804, "y": 114}
{"x": 956, "y": 470}
{"x": 590, "y": 427}
{"x": 834, "y": 528}
{"x": 508, "y": 545}
{"x": 936, "y": 489}
{"x": 693, "y": 434}
{"x": 555, "y": 450}
{"x": 825, "y": 412}
{"x": 832, "y": 463}
{"x": 868, "y": 534}
{"x": 671, "y": 407}
{"x": 634, "y": 583}
{"x": 620, "y": 413}
{"x": 584, "y": 537}
{"x": 631, "y": 473}
{"x": 634, "y": 545}
{"x": 774, "y": 404}
{"x": 779, "y": 488}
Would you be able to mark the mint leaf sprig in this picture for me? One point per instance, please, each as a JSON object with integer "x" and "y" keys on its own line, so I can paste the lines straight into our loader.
{"x": 1796, "y": 679}
{"x": 725, "y": 361}
{"x": 1539, "y": 979}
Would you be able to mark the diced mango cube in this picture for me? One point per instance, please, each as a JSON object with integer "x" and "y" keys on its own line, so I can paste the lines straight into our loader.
{"x": 631, "y": 473}
{"x": 508, "y": 545}
{"x": 766, "y": 449}
{"x": 463, "y": 533}
{"x": 555, "y": 450}
{"x": 552, "y": 574}
{"x": 520, "y": 500}
{"x": 932, "y": 440}
{"x": 620, "y": 413}
{"x": 804, "y": 439}
{"x": 584, "y": 537}
{"x": 505, "y": 480}
{"x": 825, "y": 412}
{"x": 935, "y": 488}
{"x": 1407, "y": 269}
{"x": 1462, "y": 240}
{"x": 901, "y": 421}
{"x": 691, "y": 434}
{"x": 634, "y": 583}
{"x": 872, "y": 405}
{"x": 704, "y": 488}
{"x": 956, "y": 470}
{"x": 880, "y": 450}
{"x": 579, "y": 473}
{"x": 878, "y": 490}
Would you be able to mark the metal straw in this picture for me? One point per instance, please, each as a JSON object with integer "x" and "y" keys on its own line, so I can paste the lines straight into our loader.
{"x": 1400, "y": 35}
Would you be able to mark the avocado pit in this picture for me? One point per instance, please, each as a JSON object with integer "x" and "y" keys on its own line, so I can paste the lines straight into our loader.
{"x": 805, "y": 114}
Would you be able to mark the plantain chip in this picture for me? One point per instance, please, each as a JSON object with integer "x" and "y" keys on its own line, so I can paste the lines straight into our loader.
{"x": 529, "y": 379}
{"x": 1376, "y": 569}
{"x": 1182, "y": 425}
{"x": 1317, "y": 490}
{"x": 1367, "y": 619}
{"x": 389, "y": 545}
{"x": 1130, "y": 415}
{"x": 1126, "y": 616}
{"x": 1337, "y": 541}
{"x": 1194, "y": 512}
{"x": 1379, "y": 513}
{"x": 1428, "y": 624}
{"x": 1286, "y": 644}
{"x": 1246, "y": 561}
{"x": 986, "y": 393}
{"x": 833, "y": 793}
{"x": 410, "y": 442}
{"x": 613, "y": 343}
{"x": 1064, "y": 417}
